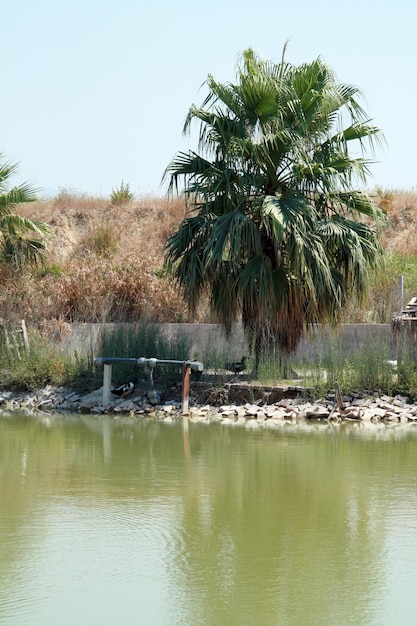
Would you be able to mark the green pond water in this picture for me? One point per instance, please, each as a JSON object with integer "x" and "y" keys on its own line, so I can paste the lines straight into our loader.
{"x": 120, "y": 522}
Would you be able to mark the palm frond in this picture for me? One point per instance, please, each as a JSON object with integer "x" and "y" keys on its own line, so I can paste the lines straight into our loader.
{"x": 17, "y": 246}
{"x": 273, "y": 234}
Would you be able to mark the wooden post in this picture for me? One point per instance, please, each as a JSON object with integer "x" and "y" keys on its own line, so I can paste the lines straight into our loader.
{"x": 186, "y": 371}
{"x": 106, "y": 384}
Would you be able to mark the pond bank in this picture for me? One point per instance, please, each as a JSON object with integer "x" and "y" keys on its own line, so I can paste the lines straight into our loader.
{"x": 263, "y": 411}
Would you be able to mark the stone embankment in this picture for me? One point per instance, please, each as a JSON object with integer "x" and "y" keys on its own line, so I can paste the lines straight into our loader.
{"x": 366, "y": 409}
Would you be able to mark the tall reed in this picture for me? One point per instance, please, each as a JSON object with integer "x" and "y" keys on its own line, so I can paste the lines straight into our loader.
{"x": 143, "y": 339}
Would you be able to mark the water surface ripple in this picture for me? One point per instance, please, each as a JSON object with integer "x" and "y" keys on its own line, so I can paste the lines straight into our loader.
{"x": 106, "y": 521}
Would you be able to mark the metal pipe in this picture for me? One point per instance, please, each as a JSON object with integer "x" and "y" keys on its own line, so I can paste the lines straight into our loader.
{"x": 185, "y": 387}
{"x": 106, "y": 384}
{"x": 148, "y": 365}
{"x": 145, "y": 362}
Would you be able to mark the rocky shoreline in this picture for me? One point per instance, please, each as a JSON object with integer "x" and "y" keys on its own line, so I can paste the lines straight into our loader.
{"x": 365, "y": 409}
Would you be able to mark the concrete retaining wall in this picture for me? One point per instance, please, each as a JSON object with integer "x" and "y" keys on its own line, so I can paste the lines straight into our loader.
{"x": 205, "y": 338}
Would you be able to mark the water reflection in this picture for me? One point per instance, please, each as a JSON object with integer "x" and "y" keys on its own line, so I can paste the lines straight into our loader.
{"x": 205, "y": 525}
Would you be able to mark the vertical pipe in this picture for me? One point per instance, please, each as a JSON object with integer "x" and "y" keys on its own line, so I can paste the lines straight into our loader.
{"x": 186, "y": 370}
{"x": 106, "y": 384}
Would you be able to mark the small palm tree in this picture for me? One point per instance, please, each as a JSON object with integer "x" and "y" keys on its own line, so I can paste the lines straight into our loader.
{"x": 276, "y": 229}
{"x": 22, "y": 240}
{"x": 121, "y": 195}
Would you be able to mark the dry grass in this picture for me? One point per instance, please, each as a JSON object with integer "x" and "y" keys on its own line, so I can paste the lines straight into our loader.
{"x": 401, "y": 210}
{"x": 105, "y": 262}
{"x": 140, "y": 227}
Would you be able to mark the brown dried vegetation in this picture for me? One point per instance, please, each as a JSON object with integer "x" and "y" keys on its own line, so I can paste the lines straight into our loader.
{"x": 401, "y": 211}
{"x": 105, "y": 262}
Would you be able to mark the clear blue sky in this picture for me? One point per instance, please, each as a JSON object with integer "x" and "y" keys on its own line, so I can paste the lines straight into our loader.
{"x": 96, "y": 91}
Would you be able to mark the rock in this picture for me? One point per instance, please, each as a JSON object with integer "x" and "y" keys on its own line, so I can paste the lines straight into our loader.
{"x": 126, "y": 406}
{"x": 252, "y": 409}
{"x": 367, "y": 415}
{"x": 91, "y": 399}
{"x": 196, "y": 412}
{"x": 275, "y": 413}
{"x": 352, "y": 413}
{"x": 317, "y": 412}
{"x": 154, "y": 397}
{"x": 73, "y": 396}
{"x": 227, "y": 410}
{"x": 402, "y": 399}
{"x": 372, "y": 411}
{"x": 391, "y": 417}
{"x": 85, "y": 408}
{"x": 385, "y": 398}
{"x": 97, "y": 410}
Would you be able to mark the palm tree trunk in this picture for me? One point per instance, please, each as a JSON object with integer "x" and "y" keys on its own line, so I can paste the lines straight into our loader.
{"x": 257, "y": 351}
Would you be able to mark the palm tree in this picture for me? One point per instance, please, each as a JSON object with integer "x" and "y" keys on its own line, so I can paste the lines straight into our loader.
{"x": 276, "y": 231}
{"x": 22, "y": 240}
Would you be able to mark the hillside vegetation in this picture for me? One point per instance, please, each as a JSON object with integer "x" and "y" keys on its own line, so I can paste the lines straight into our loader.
{"x": 105, "y": 263}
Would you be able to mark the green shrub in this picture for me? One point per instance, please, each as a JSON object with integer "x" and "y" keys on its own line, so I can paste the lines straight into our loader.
{"x": 42, "y": 364}
{"x": 121, "y": 195}
{"x": 105, "y": 240}
{"x": 407, "y": 380}
{"x": 49, "y": 269}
